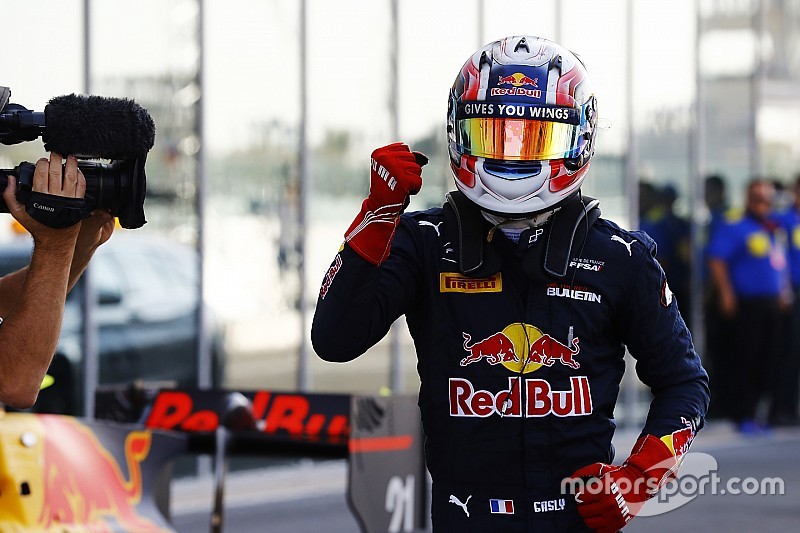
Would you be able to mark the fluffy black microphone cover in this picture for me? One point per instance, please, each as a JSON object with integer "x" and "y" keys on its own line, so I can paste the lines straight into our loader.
{"x": 97, "y": 126}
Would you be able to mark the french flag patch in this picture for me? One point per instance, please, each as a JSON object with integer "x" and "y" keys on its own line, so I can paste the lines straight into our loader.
{"x": 501, "y": 506}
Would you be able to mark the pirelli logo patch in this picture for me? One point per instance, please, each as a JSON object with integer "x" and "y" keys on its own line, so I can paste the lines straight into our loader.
{"x": 456, "y": 282}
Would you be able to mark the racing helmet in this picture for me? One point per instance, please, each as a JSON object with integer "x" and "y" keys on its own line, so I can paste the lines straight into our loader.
{"x": 521, "y": 122}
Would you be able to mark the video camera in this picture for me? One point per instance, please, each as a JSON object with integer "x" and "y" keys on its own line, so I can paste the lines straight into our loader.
{"x": 89, "y": 128}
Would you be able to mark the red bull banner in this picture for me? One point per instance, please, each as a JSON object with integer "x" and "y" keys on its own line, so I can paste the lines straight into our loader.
{"x": 322, "y": 418}
{"x": 62, "y": 474}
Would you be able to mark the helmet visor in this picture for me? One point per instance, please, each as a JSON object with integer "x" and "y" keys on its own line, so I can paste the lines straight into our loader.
{"x": 521, "y": 132}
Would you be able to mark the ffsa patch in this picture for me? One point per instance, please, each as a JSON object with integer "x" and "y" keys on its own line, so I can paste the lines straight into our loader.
{"x": 457, "y": 282}
{"x": 666, "y": 294}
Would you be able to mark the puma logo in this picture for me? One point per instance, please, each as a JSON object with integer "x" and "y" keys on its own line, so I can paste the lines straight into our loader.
{"x": 456, "y": 501}
{"x": 626, "y": 244}
{"x": 431, "y": 224}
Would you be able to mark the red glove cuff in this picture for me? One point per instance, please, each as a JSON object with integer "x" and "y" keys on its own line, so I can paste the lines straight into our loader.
{"x": 370, "y": 234}
{"x": 656, "y": 462}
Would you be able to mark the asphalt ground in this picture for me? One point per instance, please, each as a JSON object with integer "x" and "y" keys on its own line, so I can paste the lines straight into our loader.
{"x": 310, "y": 495}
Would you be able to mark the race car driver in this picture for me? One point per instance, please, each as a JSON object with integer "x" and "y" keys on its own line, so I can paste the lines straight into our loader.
{"x": 521, "y": 301}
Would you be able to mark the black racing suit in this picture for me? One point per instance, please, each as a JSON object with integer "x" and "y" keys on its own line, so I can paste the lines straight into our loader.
{"x": 511, "y": 405}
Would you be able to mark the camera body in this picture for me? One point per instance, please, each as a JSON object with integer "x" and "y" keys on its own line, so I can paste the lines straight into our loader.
{"x": 91, "y": 128}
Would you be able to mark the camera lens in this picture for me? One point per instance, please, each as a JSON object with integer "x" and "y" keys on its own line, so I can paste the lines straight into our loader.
{"x": 119, "y": 187}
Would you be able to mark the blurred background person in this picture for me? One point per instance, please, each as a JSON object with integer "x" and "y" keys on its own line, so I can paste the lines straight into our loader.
{"x": 716, "y": 199}
{"x": 717, "y": 339}
{"x": 671, "y": 232}
{"x": 785, "y": 407}
{"x": 784, "y": 196}
{"x": 749, "y": 267}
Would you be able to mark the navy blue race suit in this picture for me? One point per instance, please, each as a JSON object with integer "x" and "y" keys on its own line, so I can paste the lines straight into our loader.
{"x": 511, "y": 405}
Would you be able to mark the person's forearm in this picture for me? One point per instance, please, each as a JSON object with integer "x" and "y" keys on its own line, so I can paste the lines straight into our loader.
{"x": 80, "y": 261}
{"x": 10, "y": 289}
{"x": 30, "y": 331}
{"x": 11, "y": 284}
{"x": 95, "y": 230}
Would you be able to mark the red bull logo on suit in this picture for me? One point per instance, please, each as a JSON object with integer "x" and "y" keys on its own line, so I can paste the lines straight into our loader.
{"x": 496, "y": 348}
{"x": 521, "y": 348}
{"x": 540, "y": 399}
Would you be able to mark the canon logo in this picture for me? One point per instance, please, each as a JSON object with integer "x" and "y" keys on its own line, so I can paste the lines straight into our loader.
{"x": 44, "y": 207}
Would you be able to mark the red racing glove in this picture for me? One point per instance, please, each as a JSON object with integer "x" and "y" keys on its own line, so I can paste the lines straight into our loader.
{"x": 610, "y": 496}
{"x": 395, "y": 174}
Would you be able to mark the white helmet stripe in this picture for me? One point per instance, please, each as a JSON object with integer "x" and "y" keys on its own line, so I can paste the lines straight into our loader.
{"x": 552, "y": 85}
{"x": 486, "y": 67}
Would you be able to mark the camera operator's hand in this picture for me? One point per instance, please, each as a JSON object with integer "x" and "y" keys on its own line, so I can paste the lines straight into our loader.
{"x": 95, "y": 230}
{"x": 32, "y": 299}
{"x": 49, "y": 179}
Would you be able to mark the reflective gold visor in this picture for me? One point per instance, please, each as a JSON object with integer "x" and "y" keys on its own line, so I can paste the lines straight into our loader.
{"x": 550, "y": 133}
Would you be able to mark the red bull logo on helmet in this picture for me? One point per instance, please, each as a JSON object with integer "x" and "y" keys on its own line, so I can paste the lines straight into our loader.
{"x": 539, "y": 399}
{"x": 518, "y": 79}
{"x": 519, "y": 83}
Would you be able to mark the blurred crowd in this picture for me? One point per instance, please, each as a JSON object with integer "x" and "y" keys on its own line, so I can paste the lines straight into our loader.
{"x": 750, "y": 294}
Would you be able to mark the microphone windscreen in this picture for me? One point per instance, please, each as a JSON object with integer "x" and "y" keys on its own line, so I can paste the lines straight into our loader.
{"x": 97, "y": 126}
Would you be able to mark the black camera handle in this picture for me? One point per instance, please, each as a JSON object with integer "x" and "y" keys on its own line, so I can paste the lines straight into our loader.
{"x": 49, "y": 209}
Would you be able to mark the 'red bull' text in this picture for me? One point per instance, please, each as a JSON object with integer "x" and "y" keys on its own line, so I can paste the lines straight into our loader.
{"x": 539, "y": 399}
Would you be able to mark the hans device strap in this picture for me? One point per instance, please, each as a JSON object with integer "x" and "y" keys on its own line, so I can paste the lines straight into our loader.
{"x": 466, "y": 217}
{"x": 576, "y": 212}
{"x": 476, "y": 258}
